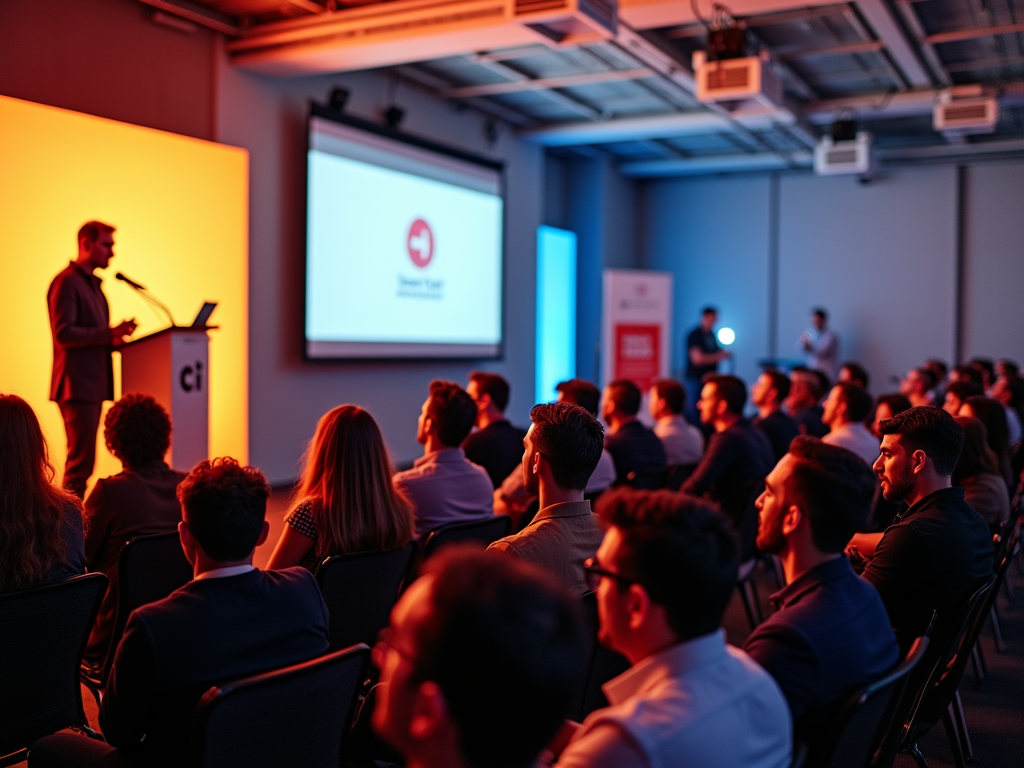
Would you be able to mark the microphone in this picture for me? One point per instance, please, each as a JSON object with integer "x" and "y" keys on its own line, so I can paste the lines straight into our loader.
{"x": 147, "y": 296}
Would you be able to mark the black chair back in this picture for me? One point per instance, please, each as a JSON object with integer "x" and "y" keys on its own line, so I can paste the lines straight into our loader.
{"x": 853, "y": 736}
{"x": 602, "y": 665}
{"x": 43, "y": 633}
{"x": 483, "y": 532}
{"x": 650, "y": 479}
{"x": 149, "y": 568}
{"x": 360, "y": 590}
{"x": 298, "y": 715}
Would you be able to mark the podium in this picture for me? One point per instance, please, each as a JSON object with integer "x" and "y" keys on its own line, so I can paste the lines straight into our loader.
{"x": 173, "y": 367}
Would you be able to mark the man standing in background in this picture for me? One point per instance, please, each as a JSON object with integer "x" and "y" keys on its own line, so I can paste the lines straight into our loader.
{"x": 821, "y": 345}
{"x": 83, "y": 373}
{"x": 702, "y": 357}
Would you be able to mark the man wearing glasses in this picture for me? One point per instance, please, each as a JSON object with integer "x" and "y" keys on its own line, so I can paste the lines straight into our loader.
{"x": 663, "y": 576}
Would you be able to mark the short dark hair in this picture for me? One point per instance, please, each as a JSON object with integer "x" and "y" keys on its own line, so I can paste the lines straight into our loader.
{"x": 709, "y": 310}
{"x": 580, "y": 392}
{"x": 780, "y": 382}
{"x": 897, "y": 403}
{"x": 680, "y": 549}
{"x": 857, "y": 373}
{"x": 452, "y": 410}
{"x": 984, "y": 364}
{"x": 494, "y": 618}
{"x": 137, "y": 430}
{"x": 929, "y": 429}
{"x": 494, "y": 385}
{"x": 570, "y": 439}
{"x": 938, "y": 368}
{"x": 625, "y": 395}
{"x": 731, "y": 389}
{"x": 92, "y": 230}
{"x": 672, "y": 392}
{"x": 964, "y": 389}
{"x": 833, "y": 487}
{"x": 928, "y": 376}
{"x": 968, "y": 373}
{"x": 821, "y": 312}
{"x": 225, "y": 505}
{"x": 858, "y": 401}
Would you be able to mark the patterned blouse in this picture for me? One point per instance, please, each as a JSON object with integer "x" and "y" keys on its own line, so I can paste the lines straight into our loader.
{"x": 301, "y": 519}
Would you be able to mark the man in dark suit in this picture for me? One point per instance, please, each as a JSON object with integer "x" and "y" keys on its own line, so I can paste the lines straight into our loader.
{"x": 633, "y": 446}
{"x": 83, "y": 374}
{"x": 496, "y": 445}
{"x": 230, "y": 622}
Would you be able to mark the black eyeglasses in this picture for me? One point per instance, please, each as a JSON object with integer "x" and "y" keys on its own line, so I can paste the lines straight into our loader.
{"x": 594, "y": 573}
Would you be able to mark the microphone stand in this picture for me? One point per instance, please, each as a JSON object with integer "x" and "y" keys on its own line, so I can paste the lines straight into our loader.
{"x": 148, "y": 297}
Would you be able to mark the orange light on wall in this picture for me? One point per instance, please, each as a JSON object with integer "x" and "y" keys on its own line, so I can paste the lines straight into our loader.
{"x": 180, "y": 206}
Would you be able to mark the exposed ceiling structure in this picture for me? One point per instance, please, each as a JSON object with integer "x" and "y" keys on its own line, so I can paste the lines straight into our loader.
{"x": 592, "y": 76}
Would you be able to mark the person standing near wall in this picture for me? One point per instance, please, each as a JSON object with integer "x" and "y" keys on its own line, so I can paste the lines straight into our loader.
{"x": 702, "y": 357}
{"x": 83, "y": 373}
{"x": 821, "y": 345}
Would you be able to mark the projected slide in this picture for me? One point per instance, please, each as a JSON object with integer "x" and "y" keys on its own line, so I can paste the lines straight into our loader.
{"x": 404, "y": 250}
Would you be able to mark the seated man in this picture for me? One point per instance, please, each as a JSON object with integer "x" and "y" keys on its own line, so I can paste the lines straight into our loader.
{"x": 443, "y": 485}
{"x": 938, "y": 552}
{"x": 139, "y": 501}
{"x": 846, "y": 407}
{"x": 663, "y": 576}
{"x": 957, "y": 394}
{"x": 684, "y": 443}
{"x": 917, "y": 387}
{"x": 563, "y": 446}
{"x": 513, "y": 499}
{"x": 830, "y": 634}
{"x": 479, "y": 665}
{"x": 854, "y": 373}
{"x": 768, "y": 393}
{"x": 496, "y": 445}
{"x": 231, "y": 621}
{"x": 737, "y": 459}
{"x": 804, "y": 395}
{"x": 632, "y": 445}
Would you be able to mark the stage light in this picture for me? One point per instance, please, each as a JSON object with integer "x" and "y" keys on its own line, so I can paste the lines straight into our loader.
{"x": 726, "y": 336}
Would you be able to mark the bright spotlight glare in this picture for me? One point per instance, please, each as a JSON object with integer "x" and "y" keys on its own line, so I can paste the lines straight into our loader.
{"x": 726, "y": 336}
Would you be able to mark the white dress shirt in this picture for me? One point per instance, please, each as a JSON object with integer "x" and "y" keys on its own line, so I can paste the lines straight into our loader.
{"x": 684, "y": 443}
{"x": 855, "y": 437}
{"x": 824, "y": 352}
{"x": 700, "y": 703}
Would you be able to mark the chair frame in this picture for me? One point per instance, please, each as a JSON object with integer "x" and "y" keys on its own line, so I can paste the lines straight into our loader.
{"x": 429, "y": 548}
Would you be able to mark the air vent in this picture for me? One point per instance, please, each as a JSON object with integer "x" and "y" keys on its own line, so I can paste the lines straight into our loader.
{"x": 535, "y": 6}
{"x": 844, "y": 157}
{"x": 728, "y": 77}
{"x": 841, "y": 156}
{"x": 737, "y": 80}
{"x": 959, "y": 116}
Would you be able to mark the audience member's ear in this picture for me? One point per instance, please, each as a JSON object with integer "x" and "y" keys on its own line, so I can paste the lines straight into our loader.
{"x": 263, "y": 533}
{"x": 188, "y": 541}
{"x": 638, "y": 607}
{"x": 918, "y": 459}
{"x": 537, "y": 459}
{"x": 429, "y": 712}
{"x": 792, "y": 519}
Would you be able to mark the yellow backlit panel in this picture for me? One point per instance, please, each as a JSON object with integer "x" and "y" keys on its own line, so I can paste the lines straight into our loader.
{"x": 180, "y": 206}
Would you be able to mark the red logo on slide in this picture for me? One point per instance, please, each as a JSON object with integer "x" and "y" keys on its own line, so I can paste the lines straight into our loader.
{"x": 420, "y": 242}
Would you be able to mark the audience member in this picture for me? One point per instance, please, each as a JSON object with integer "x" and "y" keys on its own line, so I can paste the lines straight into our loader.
{"x": 684, "y": 443}
{"x": 846, "y": 407}
{"x": 345, "y": 501}
{"x": 986, "y": 369}
{"x": 940, "y": 372}
{"x": 633, "y": 446}
{"x": 977, "y": 472}
{"x": 887, "y": 406}
{"x": 830, "y": 634}
{"x": 940, "y": 550}
{"x": 803, "y": 402}
{"x": 736, "y": 461}
{"x": 496, "y": 445}
{"x": 41, "y": 539}
{"x": 443, "y": 485}
{"x": 966, "y": 373}
{"x": 821, "y": 345}
{"x": 768, "y": 393}
{"x": 479, "y": 665}
{"x": 917, "y": 387}
{"x": 1006, "y": 367}
{"x": 138, "y": 501}
{"x": 702, "y": 358}
{"x": 663, "y": 577}
{"x": 993, "y": 416}
{"x": 563, "y": 445}
{"x": 855, "y": 373}
{"x": 231, "y": 621}
{"x": 1009, "y": 392}
{"x": 957, "y": 394}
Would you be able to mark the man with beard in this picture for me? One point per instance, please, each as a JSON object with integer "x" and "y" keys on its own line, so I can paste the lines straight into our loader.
{"x": 830, "y": 634}
{"x": 938, "y": 552}
{"x": 563, "y": 445}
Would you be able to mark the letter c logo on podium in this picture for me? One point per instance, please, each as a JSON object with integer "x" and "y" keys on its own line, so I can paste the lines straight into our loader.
{"x": 191, "y": 377}
{"x": 420, "y": 242}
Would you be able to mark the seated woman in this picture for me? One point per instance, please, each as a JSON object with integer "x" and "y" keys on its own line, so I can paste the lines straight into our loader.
{"x": 345, "y": 501}
{"x": 41, "y": 538}
{"x": 992, "y": 414}
{"x": 977, "y": 471}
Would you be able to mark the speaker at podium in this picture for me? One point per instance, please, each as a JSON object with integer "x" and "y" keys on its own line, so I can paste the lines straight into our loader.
{"x": 173, "y": 367}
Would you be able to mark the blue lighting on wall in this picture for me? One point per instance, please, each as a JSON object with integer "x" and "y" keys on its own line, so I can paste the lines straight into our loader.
{"x": 556, "y": 310}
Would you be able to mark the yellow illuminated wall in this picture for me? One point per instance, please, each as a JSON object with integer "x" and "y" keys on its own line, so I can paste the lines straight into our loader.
{"x": 180, "y": 206}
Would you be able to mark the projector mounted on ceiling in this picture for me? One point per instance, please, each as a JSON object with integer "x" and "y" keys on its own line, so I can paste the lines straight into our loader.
{"x": 965, "y": 110}
{"x": 726, "y": 72}
{"x": 845, "y": 151}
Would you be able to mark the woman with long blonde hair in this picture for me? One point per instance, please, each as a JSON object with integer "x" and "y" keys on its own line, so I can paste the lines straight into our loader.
{"x": 345, "y": 501}
{"x": 41, "y": 539}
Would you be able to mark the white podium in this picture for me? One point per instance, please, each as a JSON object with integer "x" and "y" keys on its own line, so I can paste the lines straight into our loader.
{"x": 173, "y": 367}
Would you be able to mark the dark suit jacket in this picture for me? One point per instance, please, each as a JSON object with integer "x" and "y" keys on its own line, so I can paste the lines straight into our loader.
{"x": 210, "y": 631}
{"x": 82, "y": 342}
{"x": 634, "y": 447}
{"x": 498, "y": 448}
{"x": 135, "y": 502}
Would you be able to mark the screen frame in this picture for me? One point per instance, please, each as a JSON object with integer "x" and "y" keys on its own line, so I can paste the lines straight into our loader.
{"x": 470, "y": 352}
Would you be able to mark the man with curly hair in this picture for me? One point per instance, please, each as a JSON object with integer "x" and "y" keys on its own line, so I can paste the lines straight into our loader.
{"x": 138, "y": 501}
